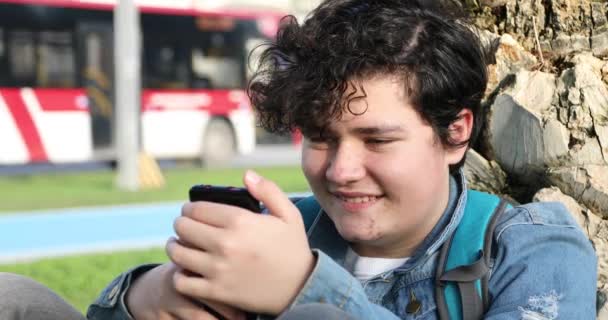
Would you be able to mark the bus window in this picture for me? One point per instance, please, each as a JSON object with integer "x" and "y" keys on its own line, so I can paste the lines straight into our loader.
{"x": 165, "y": 66}
{"x": 218, "y": 63}
{"x": 56, "y": 60}
{"x": 3, "y": 71}
{"x": 22, "y": 58}
{"x": 1, "y": 45}
{"x": 47, "y": 61}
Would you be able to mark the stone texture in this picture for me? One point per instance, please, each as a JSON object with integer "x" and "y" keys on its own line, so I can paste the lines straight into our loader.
{"x": 602, "y": 134}
{"x": 510, "y": 58}
{"x": 586, "y": 153}
{"x": 555, "y": 138}
{"x": 515, "y": 134}
{"x": 564, "y": 26}
{"x": 484, "y": 175}
{"x": 518, "y": 17}
{"x": 598, "y": 15}
{"x": 549, "y": 134}
{"x": 583, "y": 108}
{"x": 561, "y": 45}
{"x": 586, "y": 58}
{"x": 516, "y": 138}
{"x": 599, "y": 44}
{"x": 588, "y": 185}
{"x": 571, "y": 16}
{"x": 579, "y": 43}
{"x": 534, "y": 90}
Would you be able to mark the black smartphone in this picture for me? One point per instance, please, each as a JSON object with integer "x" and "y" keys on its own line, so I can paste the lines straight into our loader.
{"x": 239, "y": 197}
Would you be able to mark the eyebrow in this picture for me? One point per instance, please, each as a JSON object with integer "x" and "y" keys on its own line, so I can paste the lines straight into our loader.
{"x": 378, "y": 130}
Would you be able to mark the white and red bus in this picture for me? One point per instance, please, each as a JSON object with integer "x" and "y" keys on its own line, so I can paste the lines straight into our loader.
{"x": 56, "y": 79}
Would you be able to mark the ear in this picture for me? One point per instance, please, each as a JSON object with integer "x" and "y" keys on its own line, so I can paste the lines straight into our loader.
{"x": 460, "y": 131}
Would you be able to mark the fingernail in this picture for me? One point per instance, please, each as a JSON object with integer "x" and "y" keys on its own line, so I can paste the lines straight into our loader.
{"x": 252, "y": 177}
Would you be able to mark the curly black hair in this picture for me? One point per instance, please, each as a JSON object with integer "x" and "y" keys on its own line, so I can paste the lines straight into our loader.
{"x": 303, "y": 76}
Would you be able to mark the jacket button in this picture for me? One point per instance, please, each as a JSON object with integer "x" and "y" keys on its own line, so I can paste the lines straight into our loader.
{"x": 413, "y": 307}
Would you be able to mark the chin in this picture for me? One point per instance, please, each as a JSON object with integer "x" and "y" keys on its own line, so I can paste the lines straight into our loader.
{"x": 358, "y": 234}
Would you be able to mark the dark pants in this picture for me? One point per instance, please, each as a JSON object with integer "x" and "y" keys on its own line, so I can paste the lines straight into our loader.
{"x": 24, "y": 299}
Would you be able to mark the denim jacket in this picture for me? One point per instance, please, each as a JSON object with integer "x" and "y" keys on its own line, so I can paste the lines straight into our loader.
{"x": 542, "y": 267}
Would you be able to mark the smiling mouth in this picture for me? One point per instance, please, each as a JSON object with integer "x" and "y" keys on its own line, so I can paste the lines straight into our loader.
{"x": 365, "y": 199}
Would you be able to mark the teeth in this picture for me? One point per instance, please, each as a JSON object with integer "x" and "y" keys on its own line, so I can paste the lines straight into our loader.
{"x": 358, "y": 199}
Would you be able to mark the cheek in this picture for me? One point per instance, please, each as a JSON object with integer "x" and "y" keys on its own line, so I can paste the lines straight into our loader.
{"x": 412, "y": 174}
{"x": 423, "y": 158}
{"x": 313, "y": 165}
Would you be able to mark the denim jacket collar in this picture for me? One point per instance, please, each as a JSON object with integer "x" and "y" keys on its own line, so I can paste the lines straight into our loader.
{"x": 323, "y": 234}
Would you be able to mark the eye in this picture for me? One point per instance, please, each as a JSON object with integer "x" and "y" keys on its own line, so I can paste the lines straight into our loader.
{"x": 317, "y": 139}
{"x": 378, "y": 141}
{"x": 320, "y": 142}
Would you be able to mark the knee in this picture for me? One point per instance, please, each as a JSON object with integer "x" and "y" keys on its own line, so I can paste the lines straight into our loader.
{"x": 15, "y": 291}
{"x": 16, "y": 286}
{"x": 24, "y": 298}
{"x": 18, "y": 291}
{"x": 314, "y": 311}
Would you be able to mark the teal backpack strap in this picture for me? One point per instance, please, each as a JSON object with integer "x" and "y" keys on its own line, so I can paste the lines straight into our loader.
{"x": 309, "y": 209}
{"x": 461, "y": 291}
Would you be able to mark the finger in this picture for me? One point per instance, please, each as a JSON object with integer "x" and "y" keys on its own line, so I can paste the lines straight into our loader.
{"x": 194, "y": 260}
{"x": 199, "y": 313}
{"x": 225, "y": 311}
{"x": 196, "y": 234}
{"x": 272, "y": 196}
{"x": 211, "y": 213}
{"x": 217, "y": 309}
{"x": 196, "y": 287}
{"x": 186, "y": 309}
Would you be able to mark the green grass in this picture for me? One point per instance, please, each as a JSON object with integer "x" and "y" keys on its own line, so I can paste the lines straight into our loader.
{"x": 97, "y": 188}
{"x": 80, "y": 279}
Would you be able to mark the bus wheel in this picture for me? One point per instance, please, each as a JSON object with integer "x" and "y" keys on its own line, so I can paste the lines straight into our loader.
{"x": 219, "y": 144}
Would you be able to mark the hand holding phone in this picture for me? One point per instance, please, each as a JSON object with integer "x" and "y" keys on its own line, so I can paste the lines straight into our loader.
{"x": 234, "y": 196}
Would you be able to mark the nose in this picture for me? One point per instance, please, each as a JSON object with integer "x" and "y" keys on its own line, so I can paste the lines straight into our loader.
{"x": 346, "y": 165}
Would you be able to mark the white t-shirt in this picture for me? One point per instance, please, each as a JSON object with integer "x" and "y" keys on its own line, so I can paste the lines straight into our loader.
{"x": 365, "y": 268}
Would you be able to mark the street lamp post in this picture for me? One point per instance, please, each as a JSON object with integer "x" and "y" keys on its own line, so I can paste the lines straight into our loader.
{"x": 127, "y": 70}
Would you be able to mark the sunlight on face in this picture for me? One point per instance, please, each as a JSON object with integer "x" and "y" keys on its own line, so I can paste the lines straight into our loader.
{"x": 382, "y": 176}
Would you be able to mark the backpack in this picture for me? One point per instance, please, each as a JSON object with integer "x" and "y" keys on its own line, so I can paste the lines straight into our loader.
{"x": 461, "y": 292}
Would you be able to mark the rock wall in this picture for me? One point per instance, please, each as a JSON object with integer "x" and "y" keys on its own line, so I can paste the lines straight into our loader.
{"x": 545, "y": 130}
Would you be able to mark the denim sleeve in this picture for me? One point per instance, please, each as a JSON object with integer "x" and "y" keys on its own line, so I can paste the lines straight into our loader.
{"x": 110, "y": 305}
{"x": 544, "y": 267}
{"x": 332, "y": 284}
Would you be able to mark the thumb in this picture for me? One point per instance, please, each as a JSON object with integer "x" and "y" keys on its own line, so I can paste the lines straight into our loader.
{"x": 271, "y": 195}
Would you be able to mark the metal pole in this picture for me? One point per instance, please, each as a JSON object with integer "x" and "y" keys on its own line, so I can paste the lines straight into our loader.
{"x": 127, "y": 70}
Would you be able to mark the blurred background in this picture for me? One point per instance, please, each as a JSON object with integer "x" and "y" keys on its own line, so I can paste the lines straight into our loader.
{"x": 77, "y": 207}
{"x": 110, "y": 110}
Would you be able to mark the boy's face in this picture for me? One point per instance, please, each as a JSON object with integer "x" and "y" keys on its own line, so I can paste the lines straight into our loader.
{"x": 382, "y": 176}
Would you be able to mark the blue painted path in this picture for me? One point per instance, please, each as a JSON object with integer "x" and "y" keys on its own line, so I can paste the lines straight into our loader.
{"x": 46, "y": 233}
{"x": 26, "y": 236}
